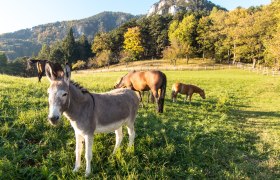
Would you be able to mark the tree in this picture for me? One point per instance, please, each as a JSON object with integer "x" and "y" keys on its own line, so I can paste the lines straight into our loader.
{"x": 57, "y": 54}
{"x": 101, "y": 42}
{"x": 204, "y": 38}
{"x": 79, "y": 65}
{"x": 103, "y": 58}
{"x": 132, "y": 42}
{"x": 182, "y": 34}
{"x": 84, "y": 48}
{"x": 3, "y": 59}
{"x": 44, "y": 52}
{"x": 171, "y": 52}
{"x": 218, "y": 35}
{"x": 158, "y": 32}
{"x": 69, "y": 47}
{"x": 102, "y": 47}
{"x": 270, "y": 21}
{"x": 234, "y": 31}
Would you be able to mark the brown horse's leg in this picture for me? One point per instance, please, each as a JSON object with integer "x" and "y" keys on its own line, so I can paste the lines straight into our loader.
{"x": 140, "y": 96}
{"x": 185, "y": 100}
{"x": 141, "y": 99}
{"x": 190, "y": 97}
{"x": 155, "y": 94}
{"x": 40, "y": 75}
{"x": 175, "y": 96}
{"x": 152, "y": 97}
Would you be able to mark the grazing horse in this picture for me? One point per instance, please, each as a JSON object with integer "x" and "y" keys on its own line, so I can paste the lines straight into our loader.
{"x": 145, "y": 81}
{"x": 40, "y": 64}
{"x": 89, "y": 113}
{"x": 187, "y": 89}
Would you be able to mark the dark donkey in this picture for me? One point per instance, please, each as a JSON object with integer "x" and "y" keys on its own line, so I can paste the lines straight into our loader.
{"x": 145, "y": 81}
{"x": 40, "y": 64}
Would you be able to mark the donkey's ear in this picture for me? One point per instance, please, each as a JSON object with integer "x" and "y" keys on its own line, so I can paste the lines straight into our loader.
{"x": 54, "y": 71}
{"x": 67, "y": 73}
{"x": 49, "y": 72}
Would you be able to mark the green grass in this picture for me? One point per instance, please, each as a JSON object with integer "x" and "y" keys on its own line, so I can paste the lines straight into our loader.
{"x": 232, "y": 134}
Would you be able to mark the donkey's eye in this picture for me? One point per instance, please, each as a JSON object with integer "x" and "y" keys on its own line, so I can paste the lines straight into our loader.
{"x": 65, "y": 94}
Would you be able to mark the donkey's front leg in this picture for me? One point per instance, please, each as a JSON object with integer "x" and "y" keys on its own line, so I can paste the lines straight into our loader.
{"x": 79, "y": 149}
{"x": 88, "y": 152}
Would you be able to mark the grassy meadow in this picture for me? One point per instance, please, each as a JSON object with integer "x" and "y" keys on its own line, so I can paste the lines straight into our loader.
{"x": 233, "y": 134}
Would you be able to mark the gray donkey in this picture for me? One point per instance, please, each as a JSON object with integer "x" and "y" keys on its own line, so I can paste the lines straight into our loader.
{"x": 89, "y": 113}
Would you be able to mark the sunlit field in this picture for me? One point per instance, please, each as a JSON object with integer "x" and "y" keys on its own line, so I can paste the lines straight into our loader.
{"x": 232, "y": 134}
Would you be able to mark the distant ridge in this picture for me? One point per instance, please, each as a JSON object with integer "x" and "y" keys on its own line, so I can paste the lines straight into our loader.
{"x": 28, "y": 42}
{"x": 174, "y": 6}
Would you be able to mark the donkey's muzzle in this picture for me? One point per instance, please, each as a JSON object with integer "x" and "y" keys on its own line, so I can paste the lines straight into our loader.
{"x": 53, "y": 120}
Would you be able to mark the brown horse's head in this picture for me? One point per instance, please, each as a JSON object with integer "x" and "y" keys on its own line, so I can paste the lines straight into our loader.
{"x": 202, "y": 94}
{"x": 121, "y": 83}
{"x": 30, "y": 62}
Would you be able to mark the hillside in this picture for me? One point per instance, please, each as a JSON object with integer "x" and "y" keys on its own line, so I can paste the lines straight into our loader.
{"x": 27, "y": 42}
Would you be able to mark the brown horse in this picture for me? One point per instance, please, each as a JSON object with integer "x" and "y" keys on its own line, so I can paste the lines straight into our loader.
{"x": 145, "y": 81}
{"x": 187, "y": 89}
{"x": 40, "y": 64}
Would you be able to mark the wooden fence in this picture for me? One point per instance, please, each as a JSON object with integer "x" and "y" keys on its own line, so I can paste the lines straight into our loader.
{"x": 248, "y": 67}
{"x": 259, "y": 69}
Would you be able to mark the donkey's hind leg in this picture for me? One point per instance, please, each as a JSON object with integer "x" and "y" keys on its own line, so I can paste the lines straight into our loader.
{"x": 88, "y": 153}
{"x": 131, "y": 134}
{"x": 119, "y": 137}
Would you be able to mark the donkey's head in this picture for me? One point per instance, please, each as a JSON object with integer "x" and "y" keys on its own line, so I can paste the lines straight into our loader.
{"x": 58, "y": 91}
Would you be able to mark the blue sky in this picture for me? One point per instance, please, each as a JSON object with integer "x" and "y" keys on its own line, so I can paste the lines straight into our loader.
{"x": 20, "y": 14}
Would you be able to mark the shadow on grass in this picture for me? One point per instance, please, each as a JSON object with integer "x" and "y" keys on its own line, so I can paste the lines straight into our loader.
{"x": 189, "y": 142}
{"x": 257, "y": 114}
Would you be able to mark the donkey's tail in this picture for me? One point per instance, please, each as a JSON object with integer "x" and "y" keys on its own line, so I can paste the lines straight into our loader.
{"x": 162, "y": 93}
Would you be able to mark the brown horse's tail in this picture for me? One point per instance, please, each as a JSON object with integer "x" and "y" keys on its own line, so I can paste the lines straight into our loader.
{"x": 162, "y": 93}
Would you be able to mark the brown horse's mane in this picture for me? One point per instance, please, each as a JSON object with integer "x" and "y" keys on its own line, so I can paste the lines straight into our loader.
{"x": 77, "y": 85}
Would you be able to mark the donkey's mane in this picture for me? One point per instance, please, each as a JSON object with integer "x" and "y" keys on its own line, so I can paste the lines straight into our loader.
{"x": 83, "y": 90}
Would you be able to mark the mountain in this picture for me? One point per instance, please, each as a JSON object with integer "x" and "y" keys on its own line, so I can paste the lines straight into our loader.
{"x": 28, "y": 42}
{"x": 173, "y": 6}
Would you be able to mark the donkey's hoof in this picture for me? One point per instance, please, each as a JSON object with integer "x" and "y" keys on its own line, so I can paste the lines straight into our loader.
{"x": 87, "y": 174}
{"x": 76, "y": 169}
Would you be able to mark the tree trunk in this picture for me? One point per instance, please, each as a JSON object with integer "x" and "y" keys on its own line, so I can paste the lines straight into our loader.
{"x": 254, "y": 63}
{"x": 234, "y": 53}
{"x": 187, "y": 59}
{"x": 228, "y": 56}
{"x": 203, "y": 56}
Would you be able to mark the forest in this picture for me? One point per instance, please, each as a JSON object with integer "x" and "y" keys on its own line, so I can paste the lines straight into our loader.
{"x": 240, "y": 35}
